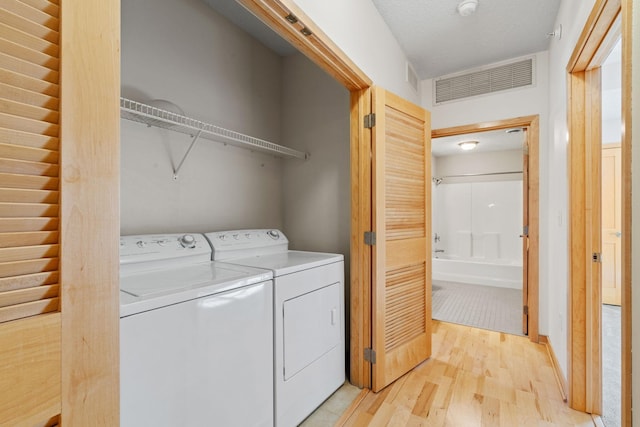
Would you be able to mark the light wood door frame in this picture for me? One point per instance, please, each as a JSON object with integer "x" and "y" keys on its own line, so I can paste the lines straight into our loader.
{"x": 608, "y": 20}
{"x": 532, "y": 124}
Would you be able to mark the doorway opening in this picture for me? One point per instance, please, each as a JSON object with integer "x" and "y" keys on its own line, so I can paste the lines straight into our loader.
{"x": 479, "y": 220}
{"x": 608, "y": 22}
{"x": 493, "y": 241}
{"x": 611, "y": 232}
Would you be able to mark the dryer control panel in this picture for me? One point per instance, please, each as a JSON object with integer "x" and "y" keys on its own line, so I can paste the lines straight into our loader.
{"x": 246, "y": 243}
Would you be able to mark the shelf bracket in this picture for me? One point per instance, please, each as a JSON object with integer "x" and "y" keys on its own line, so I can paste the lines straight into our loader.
{"x": 193, "y": 143}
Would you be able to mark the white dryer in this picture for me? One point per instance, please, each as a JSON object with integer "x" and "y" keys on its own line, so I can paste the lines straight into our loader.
{"x": 309, "y": 324}
{"x": 196, "y": 346}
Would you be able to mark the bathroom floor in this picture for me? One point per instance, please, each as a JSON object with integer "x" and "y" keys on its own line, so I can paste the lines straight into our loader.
{"x": 486, "y": 307}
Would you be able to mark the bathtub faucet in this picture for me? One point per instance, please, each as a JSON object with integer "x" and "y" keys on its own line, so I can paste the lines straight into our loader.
{"x": 439, "y": 251}
{"x": 436, "y": 238}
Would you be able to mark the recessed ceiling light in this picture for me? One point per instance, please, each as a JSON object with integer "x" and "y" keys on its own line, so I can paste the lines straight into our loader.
{"x": 467, "y": 145}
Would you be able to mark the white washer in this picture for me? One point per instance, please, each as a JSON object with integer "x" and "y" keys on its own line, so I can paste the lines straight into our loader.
{"x": 308, "y": 316}
{"x": 196, "y": 342}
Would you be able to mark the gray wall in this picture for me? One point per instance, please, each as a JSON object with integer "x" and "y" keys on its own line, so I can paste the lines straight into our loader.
{"x": 184, "y": 52}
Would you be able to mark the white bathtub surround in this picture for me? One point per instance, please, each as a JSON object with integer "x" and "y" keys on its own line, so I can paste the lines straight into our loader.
{"x": 480, "y": 221}
{"x": 501, "y": 274}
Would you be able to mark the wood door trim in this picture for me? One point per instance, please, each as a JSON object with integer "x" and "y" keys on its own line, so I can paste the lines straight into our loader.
{"x": 533, "y": 125}
{"x": 360, "y": 281}
{"x": 309, "y": 39}
{"x": 90, "y": 217}
{"x": 584, "y": 361}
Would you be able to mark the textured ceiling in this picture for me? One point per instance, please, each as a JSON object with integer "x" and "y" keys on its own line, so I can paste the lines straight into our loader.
{"x": 438, "y": 41}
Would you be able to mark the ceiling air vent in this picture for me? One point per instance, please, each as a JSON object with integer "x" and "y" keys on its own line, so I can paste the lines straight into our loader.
{"x": 411, "y": 76}
{"x": 487, "y": 80}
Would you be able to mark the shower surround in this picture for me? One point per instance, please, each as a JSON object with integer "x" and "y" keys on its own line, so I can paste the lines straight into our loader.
{"x": 478, "y": 227}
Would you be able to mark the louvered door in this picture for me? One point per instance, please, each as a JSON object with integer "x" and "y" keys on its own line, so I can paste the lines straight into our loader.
{"x": 402, "y": 222}
{"x": 29, "y": 214}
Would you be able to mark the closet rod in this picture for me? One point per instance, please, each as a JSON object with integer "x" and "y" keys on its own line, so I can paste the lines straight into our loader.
{"x": 465, "y": 175}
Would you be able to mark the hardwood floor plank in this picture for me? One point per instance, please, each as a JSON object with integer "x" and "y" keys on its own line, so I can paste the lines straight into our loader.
{"x": 474, "y": 378}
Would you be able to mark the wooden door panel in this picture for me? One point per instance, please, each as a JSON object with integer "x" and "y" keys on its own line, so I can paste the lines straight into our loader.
{"x": 401, "y": 281}
{"x": 611, "y": 225}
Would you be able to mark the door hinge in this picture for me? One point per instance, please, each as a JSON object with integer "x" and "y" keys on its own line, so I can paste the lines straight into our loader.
{"x": 525, "y": 310}
{"x": 370, "y": 238}
{"x": 597, "y": 257}
{"x": 370, "y": 355}
{"x": 369, "y": 120}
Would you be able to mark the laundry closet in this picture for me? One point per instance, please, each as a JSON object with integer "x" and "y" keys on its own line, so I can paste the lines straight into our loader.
{"x": 195, "y": 66}
{"x": 184, "y": 52}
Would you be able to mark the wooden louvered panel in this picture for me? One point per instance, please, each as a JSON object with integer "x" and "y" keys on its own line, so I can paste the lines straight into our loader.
{"x": 28, "y": 97}
{"x": 28, "y": 281}
{"x": 33, "y": 238}
{"x": 20, "y": 152}
{"x": 26, "y": 139}
{"x": 28, "y": 125}
{"x": 405, "y": 179}
{"x": 25, "y": 25}
{"x": 29, "y": 41}
{"x": 8, "y": 225}
{"x": 27, "y": 68}
{"x": 20, "y": 311}
{"x": 402, "y": 282}
{"x": 23, "y": 253}
{"x": 28, "y": 196}
{"x": 33, "y": 14}
{"x": 405, "y": 300}
{"x": 45, "y": 6}
{"x": 22, "y": 167}
{"x": 21, "y": 109}
{"x": 22, "y": 296}
{"x": 30, "y": 349}
{"x": 28, "y": 210}
{"x": 29, "y": 55}
{"x": 18, "y": 268}
{"x": 29, "y": 83}
{"x": 28, "y": 182}
{"x": 29, "y": 157}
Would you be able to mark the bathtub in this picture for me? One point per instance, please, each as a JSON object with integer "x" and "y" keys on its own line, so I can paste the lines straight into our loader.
{"x": 500, "y": 274}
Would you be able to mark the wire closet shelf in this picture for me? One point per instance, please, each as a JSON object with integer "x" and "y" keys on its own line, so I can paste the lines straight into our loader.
{"x": 153, "y": 116}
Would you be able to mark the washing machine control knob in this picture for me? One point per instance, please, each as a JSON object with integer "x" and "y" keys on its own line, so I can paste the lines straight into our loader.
{"x": 273, "y": 234}
{"x": 141, "y": 243}
{"x": 187, "y": 241}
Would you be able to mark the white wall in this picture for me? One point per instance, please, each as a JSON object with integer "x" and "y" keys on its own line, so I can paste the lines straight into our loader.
{"x": 572, "y": 16}
{"x": 360, "y": 32}
{"x": 184, "y": 52}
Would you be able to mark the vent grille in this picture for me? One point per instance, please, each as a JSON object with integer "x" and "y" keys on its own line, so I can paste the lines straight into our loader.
{"x": 412, "y": 77}
{"x": 496, "y": 79}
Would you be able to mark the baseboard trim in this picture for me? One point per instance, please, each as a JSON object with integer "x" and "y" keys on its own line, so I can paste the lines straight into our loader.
{"x": 352, "y": 408}
{"x": 562, "y": 382}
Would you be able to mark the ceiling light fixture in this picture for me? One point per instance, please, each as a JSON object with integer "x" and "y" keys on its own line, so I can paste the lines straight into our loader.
{"x": 467, "y": 7}
{"x": 467, "y": 145}
{"x": 514, "y": 130}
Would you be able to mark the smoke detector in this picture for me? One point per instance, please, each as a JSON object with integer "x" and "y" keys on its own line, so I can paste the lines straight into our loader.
{"x": 467, "y": 7}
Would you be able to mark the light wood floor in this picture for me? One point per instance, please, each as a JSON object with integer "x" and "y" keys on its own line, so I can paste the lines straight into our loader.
{"x": 474, "y": 378}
